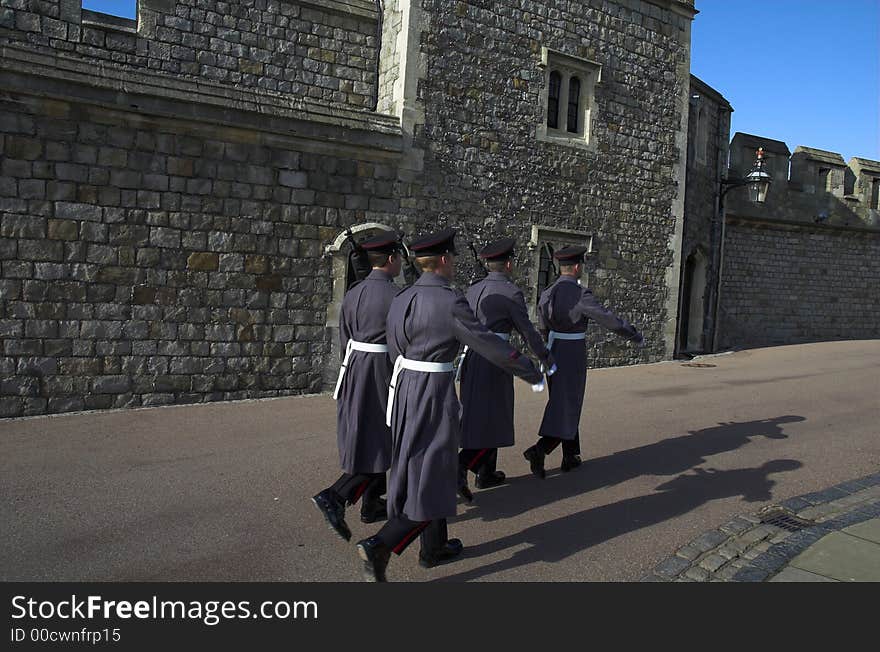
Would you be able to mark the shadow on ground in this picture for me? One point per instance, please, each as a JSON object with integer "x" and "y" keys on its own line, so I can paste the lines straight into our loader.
{"x": 682, "y": 456}
{"x": 560, "y": 538}
{"x": 667, "y": 457}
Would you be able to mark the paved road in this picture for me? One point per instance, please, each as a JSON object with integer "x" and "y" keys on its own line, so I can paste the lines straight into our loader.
{"x": 221, "y": 491}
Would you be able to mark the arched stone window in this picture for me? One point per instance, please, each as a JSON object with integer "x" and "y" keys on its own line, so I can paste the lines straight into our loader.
{"x": 574, "y": 102}
{"x": 342, "y": 279}
{"x": 553, "y": 99}
{"x": 569, "y": 90}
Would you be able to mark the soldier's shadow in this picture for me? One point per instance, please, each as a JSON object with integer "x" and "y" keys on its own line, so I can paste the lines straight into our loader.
{"x": 666, "y": 457}
{"x": 560, "y": 538}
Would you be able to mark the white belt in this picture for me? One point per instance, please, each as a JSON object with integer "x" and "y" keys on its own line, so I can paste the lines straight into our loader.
{"x": 413, "y": 365}
{"x": 356, "y": 346}
{"x": 564, "y": 336}
{"x": 503, "y": 336}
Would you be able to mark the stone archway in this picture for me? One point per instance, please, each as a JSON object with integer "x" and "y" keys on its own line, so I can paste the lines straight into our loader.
{"x": 341, "y": 279}
{"x": 695, "y": 276}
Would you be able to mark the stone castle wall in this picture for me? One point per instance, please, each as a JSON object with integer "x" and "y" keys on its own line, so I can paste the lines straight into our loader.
{"x": 325, "y": 50}
{"x": 162, "y": 231}
{"x": 483, "y": 104}
{"x": 804, "y": 266}
{"x": 785, "y": 284}
{"x": 708, "y": 134}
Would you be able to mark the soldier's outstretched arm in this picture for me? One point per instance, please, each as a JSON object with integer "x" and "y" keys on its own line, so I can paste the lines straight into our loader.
{"x": 590, "y": 307}
{"x": 519, "y": 314}
{"x": 468, "y": 330}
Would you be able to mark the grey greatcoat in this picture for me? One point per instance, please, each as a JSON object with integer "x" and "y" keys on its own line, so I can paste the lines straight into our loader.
{"x": 486, "y": 390}
{"x": 428, "y": 321}
{"x": 566, "y": 307}
{"x": 363, "y": 438}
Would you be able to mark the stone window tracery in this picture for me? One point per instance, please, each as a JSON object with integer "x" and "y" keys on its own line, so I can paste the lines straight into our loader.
{"x": 569, "y": 99}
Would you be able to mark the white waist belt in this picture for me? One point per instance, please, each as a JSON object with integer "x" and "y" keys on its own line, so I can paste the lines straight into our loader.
{"x": 564, "y": 336}
{"x": 414, "y": 365}
{"x": 503, "y": 336}
{"x": 354, "y": 345}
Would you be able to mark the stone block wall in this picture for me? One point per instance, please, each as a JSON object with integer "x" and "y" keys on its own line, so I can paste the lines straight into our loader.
{"x": 487, "y": 173}
{"x": 324, "y": 50}
{"x": 149, "y": 260}
{"x": 785, "y": 284}
{"x": 163, "y": 228}
{"x": 710, "y": 114}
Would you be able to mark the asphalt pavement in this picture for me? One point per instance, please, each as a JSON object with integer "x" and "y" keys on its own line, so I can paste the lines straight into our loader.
{"x": 221, "y": 491}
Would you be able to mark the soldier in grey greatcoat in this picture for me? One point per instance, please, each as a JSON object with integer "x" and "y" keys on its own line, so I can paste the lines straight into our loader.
{"x": 427, "y": 322}
{"x": 363, "y": 438}
{"x": 564, "y": 310}
{"x": 486, "y": 390}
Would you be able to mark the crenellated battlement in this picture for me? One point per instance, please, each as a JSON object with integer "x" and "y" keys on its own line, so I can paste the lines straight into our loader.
{"x": 810, "y": 184}
{"x": 326, "y": 50}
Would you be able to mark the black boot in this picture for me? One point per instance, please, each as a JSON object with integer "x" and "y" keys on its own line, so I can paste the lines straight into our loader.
{"x": 333, "y": 509}
{"x": 449, "y": 550}
{"x": 570, "y": 462}
{"x": 376, "y": 556}
{"x": 375, "y": 510}
{"x": 490, "y": 479}
{"x": 536, "y": 461}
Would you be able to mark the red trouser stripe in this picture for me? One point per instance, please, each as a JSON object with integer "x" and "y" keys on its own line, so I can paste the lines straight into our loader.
{"x": 360, "y": 491}
{"x": 477, "y": 458}
{"x": 409, "y": 537}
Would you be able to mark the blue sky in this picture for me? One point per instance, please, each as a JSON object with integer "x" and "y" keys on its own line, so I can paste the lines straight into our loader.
{"x": 806, "y": 72}
{"x": 125, "y": 8}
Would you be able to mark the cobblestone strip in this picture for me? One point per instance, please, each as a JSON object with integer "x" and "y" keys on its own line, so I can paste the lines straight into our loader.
{"x": 746, "y": 549}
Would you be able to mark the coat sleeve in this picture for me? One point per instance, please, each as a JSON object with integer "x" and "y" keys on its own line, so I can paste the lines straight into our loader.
{"x": 543, "y": 326}
{"x": 590, "y": 308}
{"x": 468, "y": 330}
{"x": 344, "y": 331}
{"x": 519, "y": 314}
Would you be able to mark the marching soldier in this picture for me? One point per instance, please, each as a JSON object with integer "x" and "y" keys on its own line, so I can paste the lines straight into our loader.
{"x": 426, "y": 324}
{"x": 486, "y": 390}
{"x": 564, "y": 310}
{"x": 363, "y": 438}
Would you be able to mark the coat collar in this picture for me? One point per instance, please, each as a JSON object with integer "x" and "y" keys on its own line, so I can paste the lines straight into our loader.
{"x": 430, "y": 278}
{"x": 497, "y": 276}
{"x": 379, "y": 275}
{"x": 567, "y": 279}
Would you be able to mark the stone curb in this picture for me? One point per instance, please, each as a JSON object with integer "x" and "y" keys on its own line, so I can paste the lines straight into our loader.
{"x": 746, "y": 549}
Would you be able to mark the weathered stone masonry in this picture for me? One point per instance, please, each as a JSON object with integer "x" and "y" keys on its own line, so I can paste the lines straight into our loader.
{"x": 482, "y": 103}
{"x": 164, "y": 219}
{"x": 805, "y": 266}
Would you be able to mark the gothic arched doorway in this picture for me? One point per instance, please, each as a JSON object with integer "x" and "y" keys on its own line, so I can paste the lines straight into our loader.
{"x": 694, "y": 304}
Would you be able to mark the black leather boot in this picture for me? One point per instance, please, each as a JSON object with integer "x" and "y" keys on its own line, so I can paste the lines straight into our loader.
{"x": 536, "y": 461}
{"x": 375, "y": 510}
{"x": 376, "y": 556}
{"x": 333, "y": 509}
{"x": 490, "y": 479}
{"x": 446, "y": 552}
{"x": 570, "y": 462}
